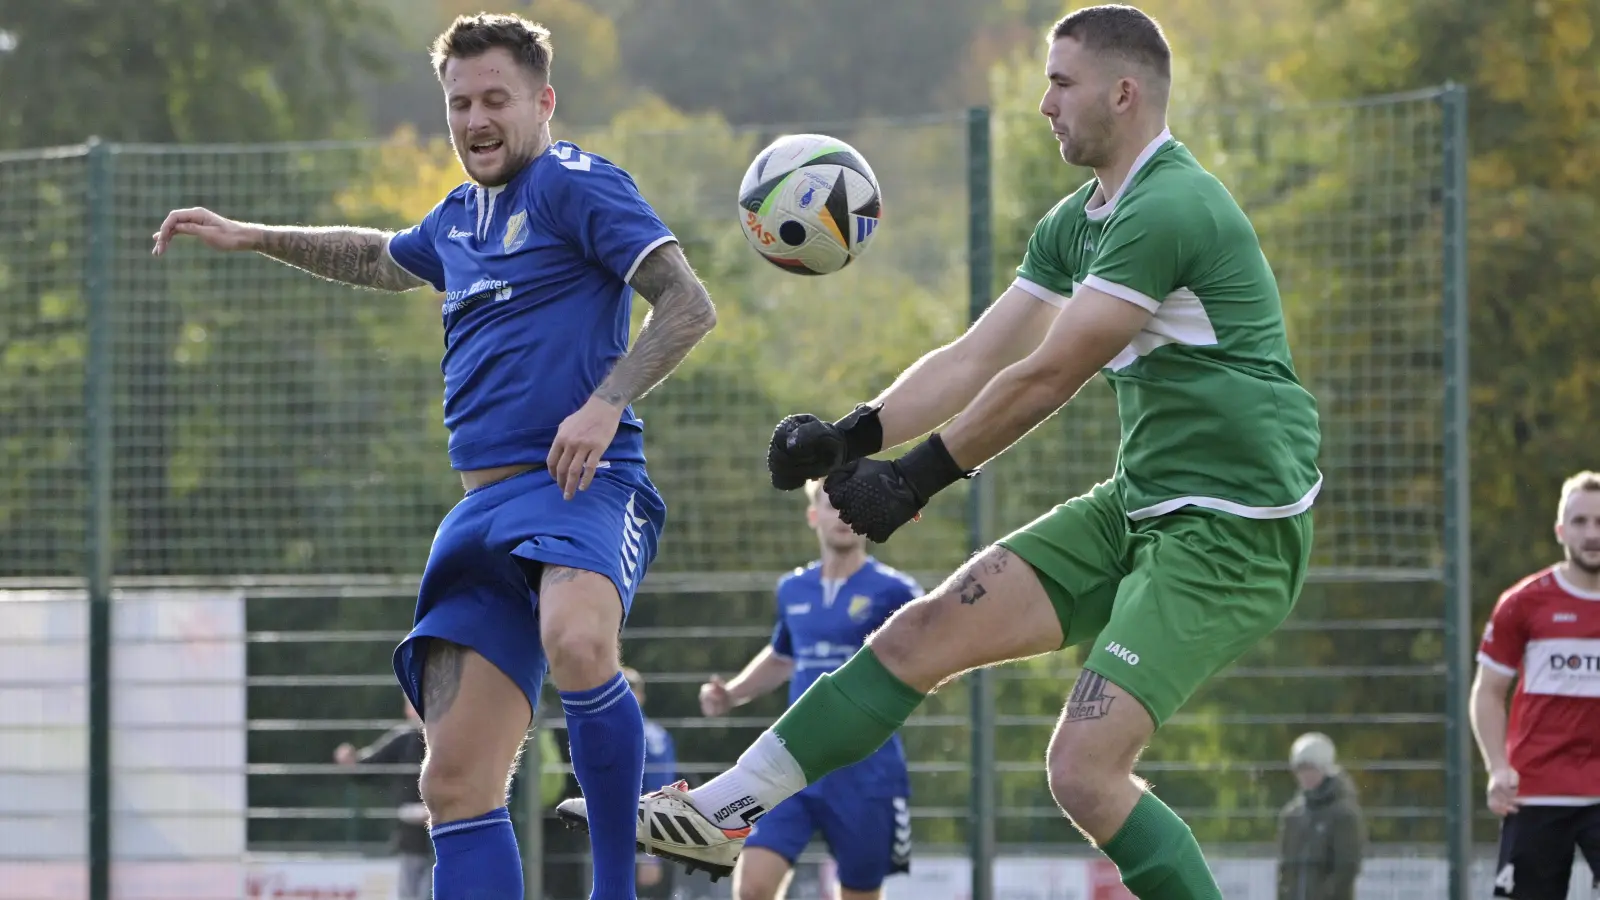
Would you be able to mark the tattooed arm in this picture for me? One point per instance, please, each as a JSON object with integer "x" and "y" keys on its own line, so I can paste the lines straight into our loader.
{"x": 351, "y": 255}
{"x": 355, "y": 256}
{"x": 681, "y": 314}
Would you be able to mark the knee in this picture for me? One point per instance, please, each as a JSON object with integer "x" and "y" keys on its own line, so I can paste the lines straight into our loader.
{"x": 1080, "y": 782}
{"x": 453, "y": 789}
{"x": 758, "y": 888}
{"x": 580, "y": 653}
{"x": 896, "y": 643}
{"x": 751, "y": 891}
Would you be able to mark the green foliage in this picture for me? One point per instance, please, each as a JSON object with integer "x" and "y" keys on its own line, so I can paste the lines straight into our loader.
{"x": 170, "y": 70}
{"x": 42, "y": 343}
{"x": 272, "y": 424}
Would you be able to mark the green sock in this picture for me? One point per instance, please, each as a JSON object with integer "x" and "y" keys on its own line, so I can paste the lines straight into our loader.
{"x": 1158, "y": 856}
{"x": 846, "y": 715}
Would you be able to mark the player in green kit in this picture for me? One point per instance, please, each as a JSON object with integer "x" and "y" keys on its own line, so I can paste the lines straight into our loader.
{"x": 1194, "y": 549}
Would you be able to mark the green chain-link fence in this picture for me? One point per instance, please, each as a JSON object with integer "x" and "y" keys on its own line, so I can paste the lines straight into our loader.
{"x": 279, "y": 435}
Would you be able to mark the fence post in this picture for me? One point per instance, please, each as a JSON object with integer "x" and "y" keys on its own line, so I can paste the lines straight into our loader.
{"x": 98, "y": 407}
{"x": 1459, "y": 800}
{"x": 980, "y": 684}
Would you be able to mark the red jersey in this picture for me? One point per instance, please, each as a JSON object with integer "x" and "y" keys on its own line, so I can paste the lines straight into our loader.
{"x": 1550, "y": 632}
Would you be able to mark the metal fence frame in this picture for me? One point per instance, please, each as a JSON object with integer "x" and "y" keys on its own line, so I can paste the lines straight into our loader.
{"x": 99, "y": 453}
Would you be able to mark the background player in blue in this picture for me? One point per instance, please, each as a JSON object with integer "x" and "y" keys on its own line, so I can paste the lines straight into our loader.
{"x": 825, "y": 613}
{"x": 538, "y": 257}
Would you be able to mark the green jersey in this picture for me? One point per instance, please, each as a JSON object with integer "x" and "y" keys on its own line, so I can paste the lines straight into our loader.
{"x": 1212, "y": 412}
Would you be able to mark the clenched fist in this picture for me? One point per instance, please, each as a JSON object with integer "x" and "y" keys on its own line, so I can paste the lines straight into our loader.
{"x": 804, "y": 447}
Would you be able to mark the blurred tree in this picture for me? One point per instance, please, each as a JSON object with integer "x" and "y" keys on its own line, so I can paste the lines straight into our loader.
{"x": 160, "y": 72}
{"x": 1533, "y": 75}
{"x": 589, "y": 81}
{"x": 168, "y": 70}
{"x": 826, "y": 61}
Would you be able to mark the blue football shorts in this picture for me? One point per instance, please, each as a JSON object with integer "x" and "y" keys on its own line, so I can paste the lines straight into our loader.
{"x": 869, "y": 838}
{"x": 480, "y": 586}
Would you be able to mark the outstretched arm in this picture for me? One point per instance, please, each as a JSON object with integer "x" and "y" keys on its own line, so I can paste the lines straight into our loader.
{"x": 355, "y": 256}
{"x": 1090, "y": 331}
{"x": 926, "y": 394}
{"x": 940, "y": 384}
{"x": 878, "y": 496}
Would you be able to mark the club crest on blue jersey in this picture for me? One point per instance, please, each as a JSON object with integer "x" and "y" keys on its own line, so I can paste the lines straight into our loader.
{"x": 860, "y": 608}
{"x": 516, "y": 231}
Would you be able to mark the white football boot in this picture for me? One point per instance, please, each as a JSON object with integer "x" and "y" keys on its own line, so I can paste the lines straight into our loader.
{"x": 671, "y": 828}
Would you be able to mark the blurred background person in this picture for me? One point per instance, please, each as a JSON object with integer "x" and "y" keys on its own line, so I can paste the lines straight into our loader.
{"x": 1321, "y": 832}
{"x": 402, "y": 745}
{"x": 654, "y": 878}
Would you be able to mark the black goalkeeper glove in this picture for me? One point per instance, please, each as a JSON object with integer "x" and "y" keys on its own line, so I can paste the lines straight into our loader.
{"x": 875, "y": 497}
{"x": 805, "y": 447}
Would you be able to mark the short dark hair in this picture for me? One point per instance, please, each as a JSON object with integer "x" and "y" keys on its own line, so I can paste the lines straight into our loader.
{"x": 469, "y": 36}
{"x": 1121, "y": 30}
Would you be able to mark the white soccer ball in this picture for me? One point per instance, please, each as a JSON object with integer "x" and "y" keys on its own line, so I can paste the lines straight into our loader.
{"x": 809, "y": 204}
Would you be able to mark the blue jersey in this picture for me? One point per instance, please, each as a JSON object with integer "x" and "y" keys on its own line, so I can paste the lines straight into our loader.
{"x": 536, "y": 300}
{"x": 820, "y": 625}
{"x": 660, "y": 758}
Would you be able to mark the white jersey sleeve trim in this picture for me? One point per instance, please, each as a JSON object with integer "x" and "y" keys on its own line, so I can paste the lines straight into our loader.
{"x": 1121, "y": 292}
{"x": 639, "y": 260}
{"x": 1230, "y": 507}
{"x": 1495, "y": 666}
{"x": 1035, "y": 289}
{"x": 387, "y": 252}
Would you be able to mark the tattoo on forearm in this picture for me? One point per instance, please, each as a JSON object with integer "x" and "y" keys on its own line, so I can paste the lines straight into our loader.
{"x": 681, "y": 314}
{"x": 1090, "y": 698}
{"x": 441, "y": 678}
{"x": 350, "y": 255}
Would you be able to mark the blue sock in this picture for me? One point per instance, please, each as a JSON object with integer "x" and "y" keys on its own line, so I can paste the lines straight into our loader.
{"x": 606, "y": 733}
{"x": 477, "y": 859}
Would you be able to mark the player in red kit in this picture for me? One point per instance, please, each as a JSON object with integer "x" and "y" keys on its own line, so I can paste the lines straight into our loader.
{"x": 1544, "y": 766}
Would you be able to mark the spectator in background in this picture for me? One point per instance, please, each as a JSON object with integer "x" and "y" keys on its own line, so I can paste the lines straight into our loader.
{"x": 1321, "y": 833}
{"x": 652, "y": 876}
{"x": 402, "y": 745}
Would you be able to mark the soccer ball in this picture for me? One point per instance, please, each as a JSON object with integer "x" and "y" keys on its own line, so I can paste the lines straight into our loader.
{"x": 809, "y": 204}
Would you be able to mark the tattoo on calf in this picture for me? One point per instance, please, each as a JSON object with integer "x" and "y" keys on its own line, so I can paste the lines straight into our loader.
{"x": 441, "y": 678}
{"x": 1089, "y": 699}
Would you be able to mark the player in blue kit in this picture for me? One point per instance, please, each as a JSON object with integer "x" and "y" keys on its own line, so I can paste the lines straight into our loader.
{"x": 825, "y": 613}
{"x": 537, "y": 258}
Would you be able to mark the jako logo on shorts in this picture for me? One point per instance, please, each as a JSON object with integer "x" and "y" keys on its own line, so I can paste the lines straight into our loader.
{"x": 1122, "y": 653}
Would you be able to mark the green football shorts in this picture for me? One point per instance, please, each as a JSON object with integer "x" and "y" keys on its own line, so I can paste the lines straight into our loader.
{"x": 1168, "y": 601}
